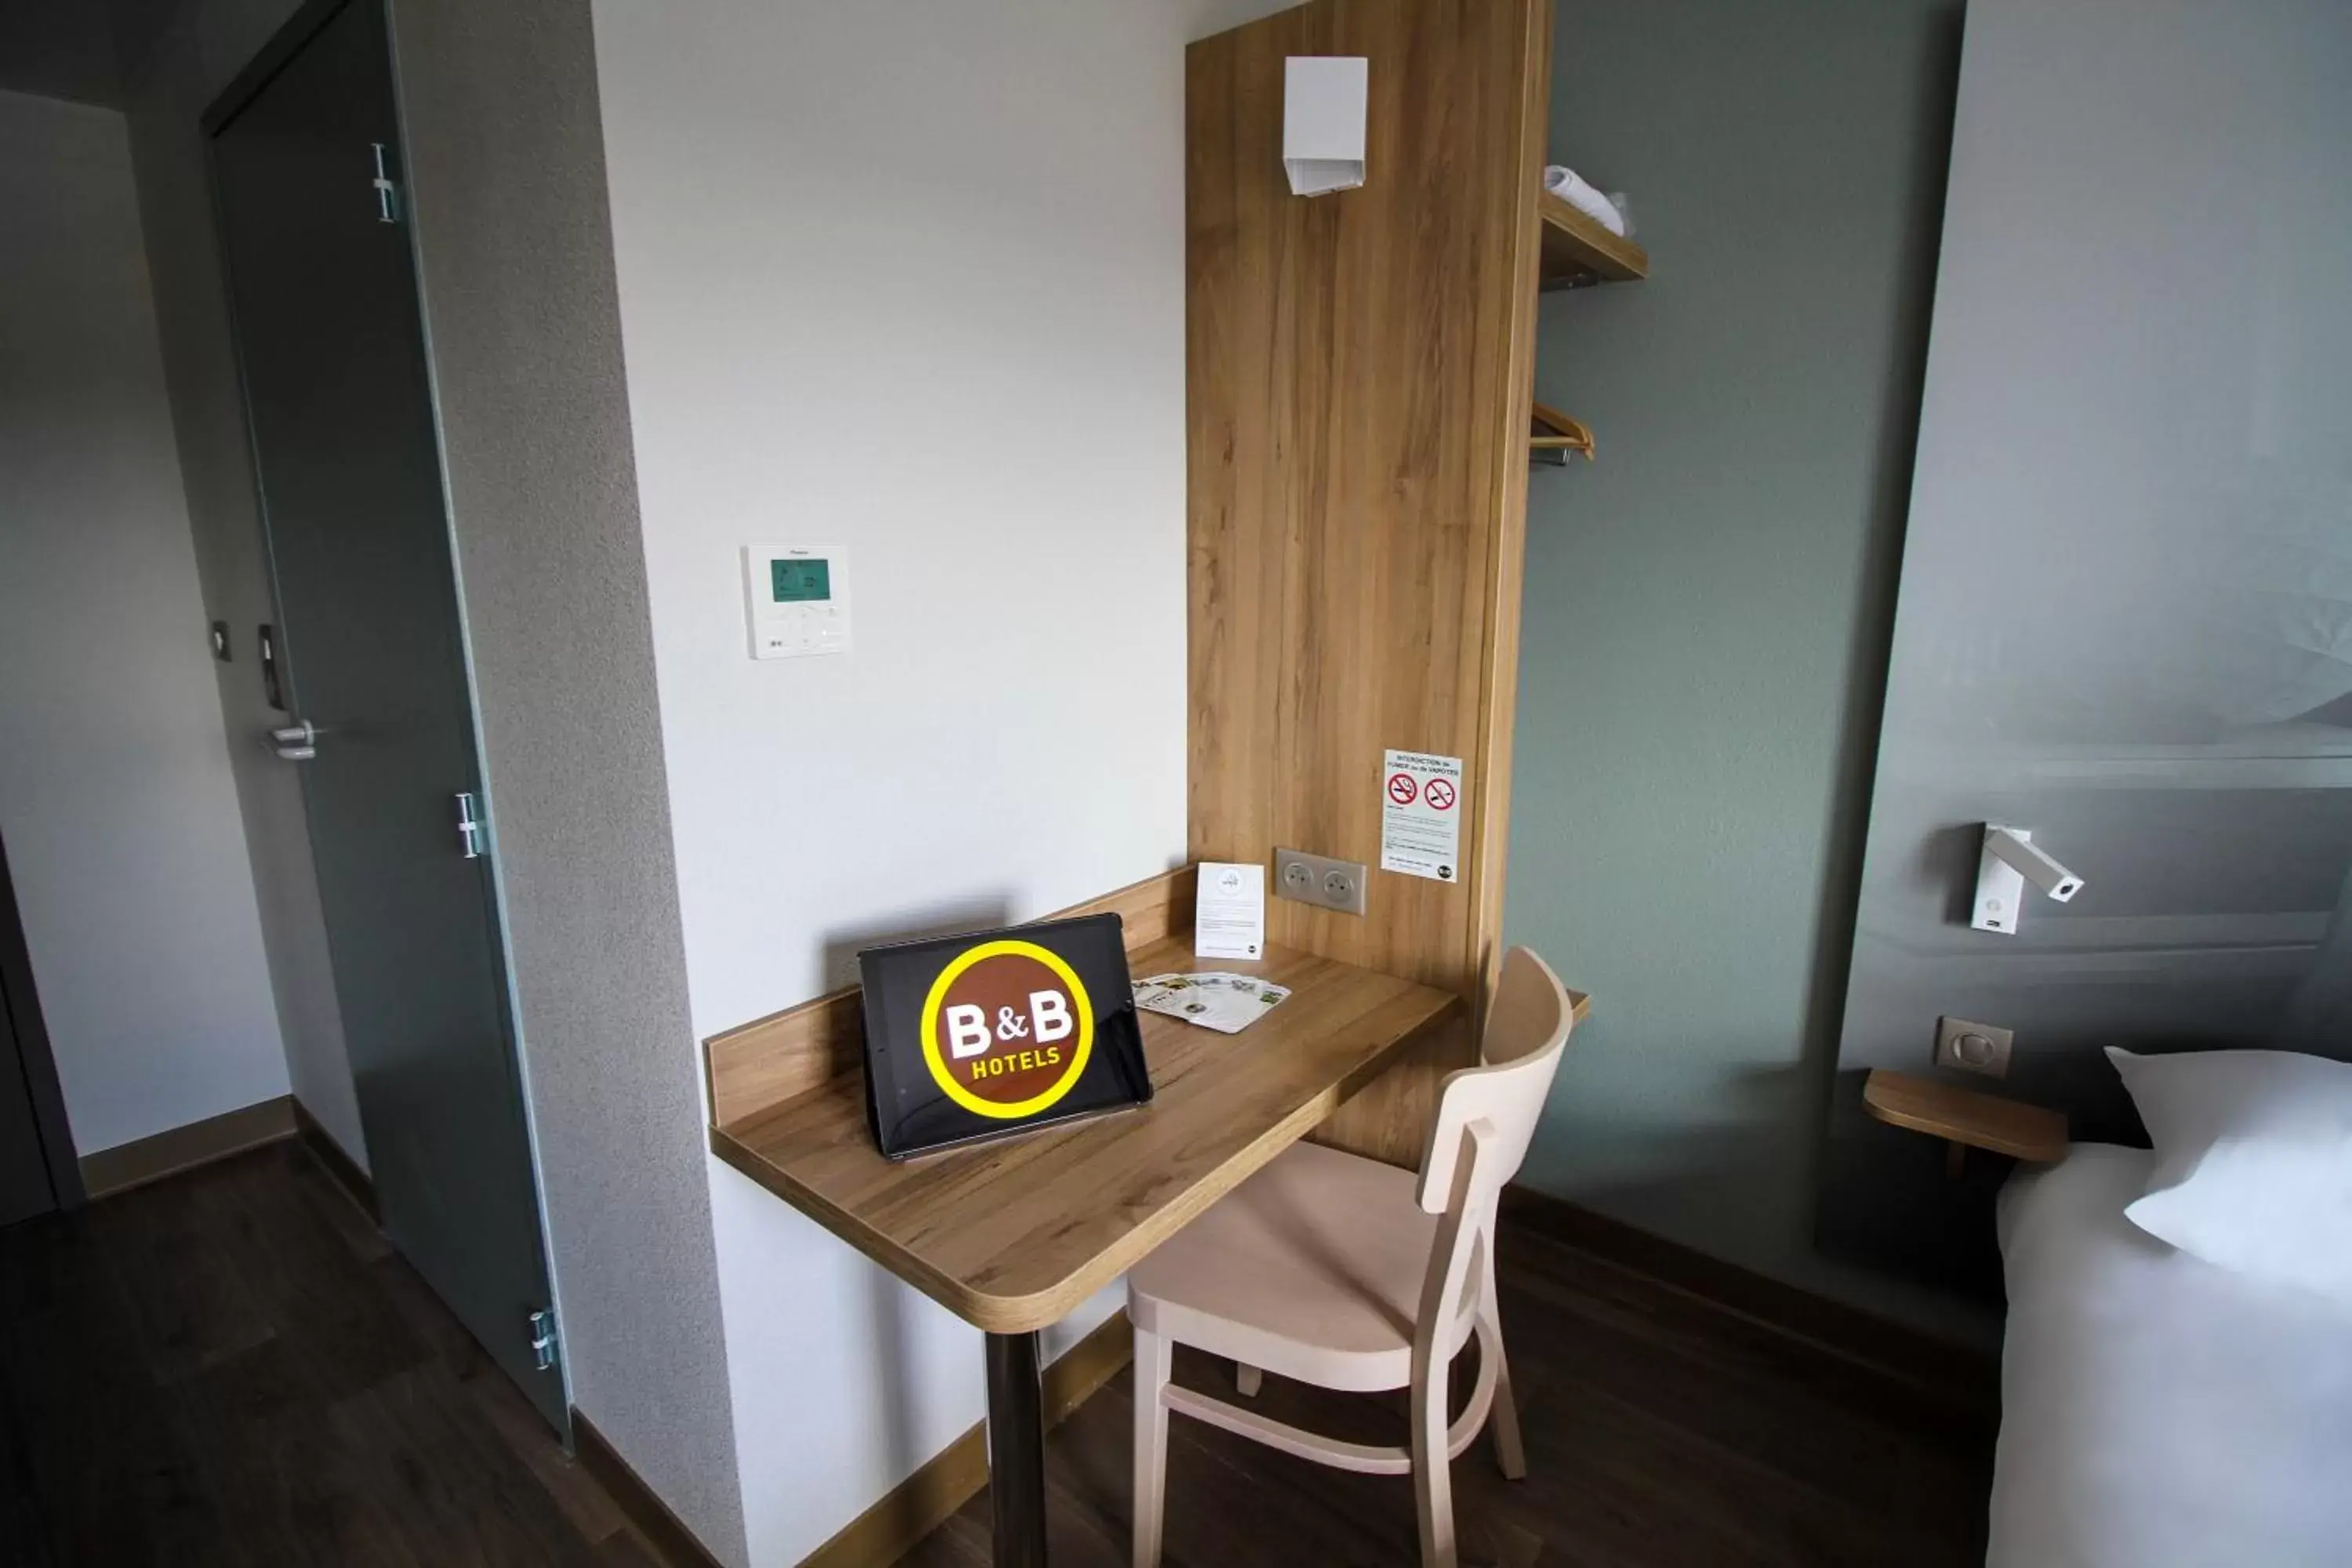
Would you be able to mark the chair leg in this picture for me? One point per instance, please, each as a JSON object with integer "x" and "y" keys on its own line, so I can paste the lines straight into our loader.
{"x": 1503, "y": 1421}
{"x": 1247, "y": 1380}
{"x": 1433, "y": 1481}
{"x": 1153, "y": 1356}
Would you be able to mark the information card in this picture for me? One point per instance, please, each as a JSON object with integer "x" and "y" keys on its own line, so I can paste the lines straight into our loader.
{"x": 1229, "y": 917}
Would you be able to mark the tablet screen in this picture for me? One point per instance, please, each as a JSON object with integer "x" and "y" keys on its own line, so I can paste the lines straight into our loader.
{"x": 997, "y": 1032}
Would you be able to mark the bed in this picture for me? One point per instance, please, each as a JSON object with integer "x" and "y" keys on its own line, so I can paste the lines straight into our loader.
{"x": 2159, "y": 1412}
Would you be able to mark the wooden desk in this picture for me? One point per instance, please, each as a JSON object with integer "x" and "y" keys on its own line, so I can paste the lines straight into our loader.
{"x": 1011, "y": 1235}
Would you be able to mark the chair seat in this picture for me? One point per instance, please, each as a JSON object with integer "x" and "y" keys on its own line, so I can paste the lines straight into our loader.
{"x": 1312, "y": 1270}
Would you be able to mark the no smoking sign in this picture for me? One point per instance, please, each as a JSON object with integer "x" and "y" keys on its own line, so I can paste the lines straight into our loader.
{"x": 1421, "y": 828}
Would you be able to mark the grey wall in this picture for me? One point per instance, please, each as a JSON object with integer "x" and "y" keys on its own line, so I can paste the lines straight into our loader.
{"x": 177, "y": 54}
{"x": 115, "y": 793}
{"x": 1707, "y": 606}
{"x": 507, "y": 166}
{"x": 2126, "y": 617}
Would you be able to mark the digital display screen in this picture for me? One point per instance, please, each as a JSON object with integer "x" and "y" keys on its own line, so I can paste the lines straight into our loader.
{"x": 800, "y": 581}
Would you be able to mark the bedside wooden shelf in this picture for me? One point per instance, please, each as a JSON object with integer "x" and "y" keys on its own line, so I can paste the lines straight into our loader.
{"x": 1577, "y": 251}
{"x": 1966, "y": 1118}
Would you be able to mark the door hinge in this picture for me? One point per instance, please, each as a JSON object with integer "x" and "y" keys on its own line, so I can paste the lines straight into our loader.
{"x": 387, "y": 193}
{"x": 469, "y": 826}
{"x": 544, "y": 1349}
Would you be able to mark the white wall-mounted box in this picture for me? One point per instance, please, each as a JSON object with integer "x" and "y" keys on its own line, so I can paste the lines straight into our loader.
{"x": 1324, "y": 100}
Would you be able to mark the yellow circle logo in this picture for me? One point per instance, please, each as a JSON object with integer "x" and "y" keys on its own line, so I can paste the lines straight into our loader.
{"x": 1007, "y": 1029}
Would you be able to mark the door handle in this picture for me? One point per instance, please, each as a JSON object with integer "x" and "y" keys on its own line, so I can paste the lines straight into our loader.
{"x": 296, "y": 743}
{"x": 469, "y": 826}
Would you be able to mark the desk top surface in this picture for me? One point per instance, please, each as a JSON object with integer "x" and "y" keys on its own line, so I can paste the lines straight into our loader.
{"x": 1012, "y": 1234}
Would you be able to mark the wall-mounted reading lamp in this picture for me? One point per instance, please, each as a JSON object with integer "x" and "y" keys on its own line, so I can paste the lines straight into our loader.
{"x": 2006, "y": 863}
{"x": 1323, "y": 103}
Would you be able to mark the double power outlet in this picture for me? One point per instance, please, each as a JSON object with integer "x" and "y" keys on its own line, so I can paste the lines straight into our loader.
{"x": 1316, "y": 879}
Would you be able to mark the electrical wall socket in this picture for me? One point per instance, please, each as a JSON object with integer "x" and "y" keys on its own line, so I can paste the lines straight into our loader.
{"x": 1972, "y": 1048}
{"x": 1314, "y": 879}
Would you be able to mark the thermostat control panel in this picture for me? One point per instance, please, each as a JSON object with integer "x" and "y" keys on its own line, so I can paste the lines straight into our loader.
{"x": 797, "y": 599}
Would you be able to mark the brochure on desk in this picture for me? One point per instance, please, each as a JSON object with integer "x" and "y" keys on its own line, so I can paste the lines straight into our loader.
{"x": 999, "y": 1032}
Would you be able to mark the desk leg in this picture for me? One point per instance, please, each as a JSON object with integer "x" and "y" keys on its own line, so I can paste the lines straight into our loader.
{"x": 1016, "y": 1451}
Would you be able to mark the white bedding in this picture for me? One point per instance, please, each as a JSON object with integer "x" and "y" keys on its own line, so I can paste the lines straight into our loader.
{"x": 2158, "y": 1412}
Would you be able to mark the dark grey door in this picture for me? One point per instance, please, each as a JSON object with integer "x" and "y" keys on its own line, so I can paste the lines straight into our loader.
{"x": 332, "y": 346}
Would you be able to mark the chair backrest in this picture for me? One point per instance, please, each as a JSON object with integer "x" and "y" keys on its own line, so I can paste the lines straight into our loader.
{"x": 1526, "y": 1032}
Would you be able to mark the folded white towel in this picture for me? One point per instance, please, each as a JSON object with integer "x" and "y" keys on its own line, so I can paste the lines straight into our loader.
{"x": 1563, "y": 183}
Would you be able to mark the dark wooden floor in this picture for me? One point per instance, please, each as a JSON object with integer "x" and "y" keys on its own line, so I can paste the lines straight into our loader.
{"x": 231, "y": 1367}
{"x": 1661, "y": 1431}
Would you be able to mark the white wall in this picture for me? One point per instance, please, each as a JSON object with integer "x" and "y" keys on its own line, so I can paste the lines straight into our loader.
{"x": 908, "y": 278}
{"x": 115, "y": 795}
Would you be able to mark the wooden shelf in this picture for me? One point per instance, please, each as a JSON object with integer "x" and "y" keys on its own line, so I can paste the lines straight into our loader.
{"x": 1966, "y": 1118}
{"x": 1578, "y": 251}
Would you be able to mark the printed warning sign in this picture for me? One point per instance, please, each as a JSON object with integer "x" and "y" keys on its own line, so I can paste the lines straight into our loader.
{"x": 1420, "y": 815}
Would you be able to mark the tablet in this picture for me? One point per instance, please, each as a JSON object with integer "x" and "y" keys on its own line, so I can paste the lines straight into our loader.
{"x": 997, "y": 1032}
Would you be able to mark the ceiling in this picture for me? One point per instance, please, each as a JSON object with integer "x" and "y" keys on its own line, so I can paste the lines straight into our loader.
{"x": 59, "y": 48}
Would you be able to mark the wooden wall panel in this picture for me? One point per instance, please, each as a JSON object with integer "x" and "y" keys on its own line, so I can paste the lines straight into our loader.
{"x": 1359, "y": 371}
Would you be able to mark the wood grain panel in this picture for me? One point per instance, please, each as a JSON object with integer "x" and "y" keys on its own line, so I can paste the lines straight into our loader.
{"x": 1966, "y": 1117}
{"x": 1011, "y": 1234}
{"x": 763, "y": 1063}
{"x": 1578, "y": 251}
{"x": 1359, "y": 371}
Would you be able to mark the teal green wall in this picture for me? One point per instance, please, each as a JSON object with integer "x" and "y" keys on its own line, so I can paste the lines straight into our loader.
{"x": 1708, "y": 606}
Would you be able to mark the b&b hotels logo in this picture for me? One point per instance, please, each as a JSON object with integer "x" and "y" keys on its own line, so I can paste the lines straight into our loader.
{"x": 1007, "y": 1029}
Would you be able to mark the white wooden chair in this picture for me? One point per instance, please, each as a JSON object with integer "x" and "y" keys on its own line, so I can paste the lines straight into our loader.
{"x": 1350, "y": 1274}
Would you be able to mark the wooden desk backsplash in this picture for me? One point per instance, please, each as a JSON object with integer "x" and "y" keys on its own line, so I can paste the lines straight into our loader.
{"x": 773, "y": 1059}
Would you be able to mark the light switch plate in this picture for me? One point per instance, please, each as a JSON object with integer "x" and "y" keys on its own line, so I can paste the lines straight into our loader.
{"x": 1319, "y": 880}
{"x": 1969, "y": 1046}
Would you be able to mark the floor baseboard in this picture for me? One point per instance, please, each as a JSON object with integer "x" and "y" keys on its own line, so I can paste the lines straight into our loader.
{"x": 951, "y": 1477}
{"x": 1948, "y": 1372}
{"x": 177, "y": 1149}
{"x": 667, "y": 1533}
{"x": 356, "y": 1184}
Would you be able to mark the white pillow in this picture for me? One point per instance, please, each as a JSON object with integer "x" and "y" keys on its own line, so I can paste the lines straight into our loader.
{"x": 2253, "y": 1161}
